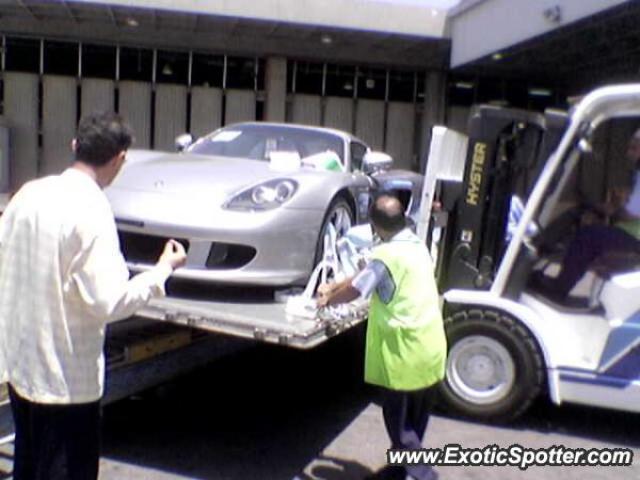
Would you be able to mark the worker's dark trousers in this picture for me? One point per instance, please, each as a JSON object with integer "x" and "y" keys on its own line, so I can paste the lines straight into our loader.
{"x": 588, "y": 244}
{"x": 55, "y": 442}
{"x": 406, "y": 415}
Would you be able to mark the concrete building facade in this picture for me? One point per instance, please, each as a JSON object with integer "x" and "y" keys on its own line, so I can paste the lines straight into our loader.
{"x": 386, "y": 70}
{"x": 367, "y": 67}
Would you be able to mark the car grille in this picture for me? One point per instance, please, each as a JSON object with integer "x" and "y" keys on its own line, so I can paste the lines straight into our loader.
{"x": 142, "y": 248}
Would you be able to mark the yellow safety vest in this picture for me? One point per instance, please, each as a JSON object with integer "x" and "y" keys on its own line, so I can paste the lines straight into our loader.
{"x": 406, "y": 345}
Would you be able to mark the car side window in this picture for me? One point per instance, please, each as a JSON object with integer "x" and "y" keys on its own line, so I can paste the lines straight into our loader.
{"x": 358, "y": 151}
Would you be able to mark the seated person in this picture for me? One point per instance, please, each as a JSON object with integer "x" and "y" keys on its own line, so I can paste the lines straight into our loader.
{"x": 591, "y": 242}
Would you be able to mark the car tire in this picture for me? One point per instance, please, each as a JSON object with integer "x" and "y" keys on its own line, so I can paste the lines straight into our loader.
{"x": 494, "y": 368}
{"x": 341, "y": 215}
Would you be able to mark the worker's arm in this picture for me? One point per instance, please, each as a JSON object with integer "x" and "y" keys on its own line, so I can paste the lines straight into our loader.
{"x": 616, "y": 206}
{"x": 622, "y": 198}
{"x": 625, "y": 216}
{"x": 336, "y": 293}
{"x": 375, "y": 276}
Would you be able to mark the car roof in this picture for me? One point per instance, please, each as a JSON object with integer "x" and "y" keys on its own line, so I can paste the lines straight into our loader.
{"x": 335, "y": 131}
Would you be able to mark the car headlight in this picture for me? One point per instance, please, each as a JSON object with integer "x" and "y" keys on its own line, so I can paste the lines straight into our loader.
{"x": 264, "y": 196}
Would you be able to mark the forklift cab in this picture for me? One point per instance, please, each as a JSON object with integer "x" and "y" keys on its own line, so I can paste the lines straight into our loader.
{"x": 507, "y": 342}
{"x": 581, "y": 197}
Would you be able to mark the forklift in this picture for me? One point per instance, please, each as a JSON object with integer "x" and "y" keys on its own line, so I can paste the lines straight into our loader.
{"x": 511, "y": 211}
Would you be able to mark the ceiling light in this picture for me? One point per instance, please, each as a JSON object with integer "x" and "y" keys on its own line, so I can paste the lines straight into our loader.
{"x": 540, "y": 92}
{"x": 370, "y": 83}
{"x": 326, "y": 39}
{"x": 167, "y": 70}
{"x": 347, "y": 86}
{"x": 464, "y": 85}
{"x": 131, "y": 22}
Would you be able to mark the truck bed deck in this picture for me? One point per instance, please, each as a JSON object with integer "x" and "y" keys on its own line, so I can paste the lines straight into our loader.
{"x": 246, "y": 313}
{"x": 155, "y": 346}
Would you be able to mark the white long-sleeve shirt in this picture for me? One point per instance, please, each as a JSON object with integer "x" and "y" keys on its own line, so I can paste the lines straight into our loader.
{"x": 62, "y": 278}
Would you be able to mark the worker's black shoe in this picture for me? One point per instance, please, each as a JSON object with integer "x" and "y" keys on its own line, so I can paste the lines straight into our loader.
{"x": 390, "y": 472}
{"x": 431, "y": 475}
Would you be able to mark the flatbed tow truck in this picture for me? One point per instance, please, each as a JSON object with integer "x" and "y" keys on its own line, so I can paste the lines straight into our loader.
{"x": 192, "y": 327}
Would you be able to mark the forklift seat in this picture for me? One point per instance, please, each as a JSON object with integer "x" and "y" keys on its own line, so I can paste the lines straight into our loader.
{"x": 608, "y": 265}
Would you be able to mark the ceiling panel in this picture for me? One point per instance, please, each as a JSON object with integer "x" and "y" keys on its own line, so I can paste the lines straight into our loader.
{"x": 590, "y": 52}
{"x": 150, "y": 28}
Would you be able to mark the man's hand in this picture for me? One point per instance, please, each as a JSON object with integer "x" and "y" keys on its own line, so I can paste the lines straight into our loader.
{"x": 336, "y": 293}
{"x": 173, "y": 255}
{"x": 324, "y": 291}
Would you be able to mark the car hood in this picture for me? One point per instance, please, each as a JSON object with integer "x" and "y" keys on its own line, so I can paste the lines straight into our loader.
{"x": 180, "y": 173}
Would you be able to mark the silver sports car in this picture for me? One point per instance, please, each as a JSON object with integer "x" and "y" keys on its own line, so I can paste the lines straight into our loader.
{"x": 250, "y": 201}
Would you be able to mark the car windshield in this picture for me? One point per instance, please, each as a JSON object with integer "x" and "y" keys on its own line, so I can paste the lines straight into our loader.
{"x": 258, "y": 141}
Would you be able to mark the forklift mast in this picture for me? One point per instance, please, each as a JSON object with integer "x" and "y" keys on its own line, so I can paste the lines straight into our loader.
{"x": 506, "y": 150}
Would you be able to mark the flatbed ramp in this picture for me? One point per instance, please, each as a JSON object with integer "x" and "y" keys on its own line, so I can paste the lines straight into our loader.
{"x": 251, "y": 315}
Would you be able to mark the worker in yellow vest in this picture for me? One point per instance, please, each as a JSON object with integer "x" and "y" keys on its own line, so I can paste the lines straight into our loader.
{"x": 406, "y": 345}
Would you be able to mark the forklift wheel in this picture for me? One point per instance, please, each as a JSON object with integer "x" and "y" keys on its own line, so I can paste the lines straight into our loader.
{"x": 494, "y": 368}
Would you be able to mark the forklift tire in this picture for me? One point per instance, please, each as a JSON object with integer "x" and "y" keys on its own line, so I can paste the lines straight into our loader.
{"x": 494, "y": 367}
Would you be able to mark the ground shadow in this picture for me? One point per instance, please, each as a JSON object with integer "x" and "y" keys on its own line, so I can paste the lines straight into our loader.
{"x": 585, "y": 422}
{"x": 264, "y": 413}
{"x": 610, "y": 426}
{"x": 331, "y": 468}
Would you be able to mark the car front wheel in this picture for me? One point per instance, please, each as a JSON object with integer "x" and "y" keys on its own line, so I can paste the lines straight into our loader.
{"x": 341, "y": 217}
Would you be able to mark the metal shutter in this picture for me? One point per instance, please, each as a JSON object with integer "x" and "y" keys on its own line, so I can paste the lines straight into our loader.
{"x": 134, "y": 104}
{"x": 170, "y": 116}
{"x": 401, "y": 120}
{"x": 240, "y": 106}
{"x": 339, "y": 113}
{"x": 21, "y": 112}
{"x": 370, "y": 122}
{"x": 206, "y": 110}
{"x": 97, "y": 95}
{"x": 306, "y": 109}
{"x": 59, "y": 110}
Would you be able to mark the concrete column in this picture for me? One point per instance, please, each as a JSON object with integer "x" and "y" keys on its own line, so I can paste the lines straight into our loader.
{"x": 276, "y": 89}
{"x": 434, "y": 111}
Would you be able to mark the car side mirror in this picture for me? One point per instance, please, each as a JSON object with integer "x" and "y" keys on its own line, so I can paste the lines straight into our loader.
{"x": 376, "y": 161}
{"x": 182, "y": 142}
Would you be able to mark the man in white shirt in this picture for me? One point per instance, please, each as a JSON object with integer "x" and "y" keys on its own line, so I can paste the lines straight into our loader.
{"x": 592, "y": 242}
{"x": 62, "y": 279}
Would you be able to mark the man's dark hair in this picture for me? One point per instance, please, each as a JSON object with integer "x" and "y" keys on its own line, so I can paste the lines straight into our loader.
{"x": 100, "y": 137}
{"x": 387, "y": 213}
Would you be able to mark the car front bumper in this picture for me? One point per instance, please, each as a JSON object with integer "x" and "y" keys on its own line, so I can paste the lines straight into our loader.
{"x": 284, "y": 240}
